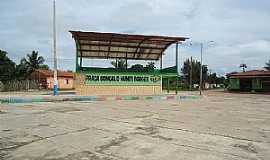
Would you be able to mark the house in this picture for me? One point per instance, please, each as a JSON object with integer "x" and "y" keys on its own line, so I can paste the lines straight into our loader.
{"x": 46, "y": 80}
{"x": 255, "y": 80}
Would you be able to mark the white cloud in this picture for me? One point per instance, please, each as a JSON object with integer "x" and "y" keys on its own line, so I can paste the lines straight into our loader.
{"x": 240, "y": 28}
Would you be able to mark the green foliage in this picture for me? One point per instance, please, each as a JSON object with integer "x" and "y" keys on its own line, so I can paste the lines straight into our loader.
{"x": 196, "y": 69}
{"x": 45, "y": 67}
{"x": 33, "y": 61}
{"x": 29, "y": 64}
{"x": 7, "y": 67}
{"x": 210, "y": 78}
{"x": 10, "y": 71}
{"x": 137, "y": 67}
{"x": 150, "y": 66}
{"x": 119, "y": 63}
{"x": 22, "y": 71}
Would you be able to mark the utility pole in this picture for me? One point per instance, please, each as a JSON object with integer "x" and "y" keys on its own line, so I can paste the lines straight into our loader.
{"x": 191, "y": 72}
{"x": 176, "y": 65}
{"x": 201, "y": 69}
{"x": 55, "y": 85}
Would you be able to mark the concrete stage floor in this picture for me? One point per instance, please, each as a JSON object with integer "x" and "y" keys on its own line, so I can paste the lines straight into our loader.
{"x": 217, "y": 126}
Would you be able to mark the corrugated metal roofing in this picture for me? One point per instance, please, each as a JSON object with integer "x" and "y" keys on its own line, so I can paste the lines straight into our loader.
{"x": 113, "y": 45}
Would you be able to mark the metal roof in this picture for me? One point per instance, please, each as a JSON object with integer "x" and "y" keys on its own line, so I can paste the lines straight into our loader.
{"x": 98, "y": 45}
{"x": 249, "y": 74}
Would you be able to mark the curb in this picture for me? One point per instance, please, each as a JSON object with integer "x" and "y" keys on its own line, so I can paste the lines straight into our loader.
{"x": 95, "y": 98}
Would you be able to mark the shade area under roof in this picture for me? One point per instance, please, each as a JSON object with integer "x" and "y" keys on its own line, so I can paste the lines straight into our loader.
{"x": 98, "y": 45}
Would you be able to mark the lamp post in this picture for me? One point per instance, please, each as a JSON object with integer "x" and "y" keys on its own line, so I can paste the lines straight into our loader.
{"x": 201, "y": 69}
{"x": 55, "y": 84}
{"x": 201, "y": 44}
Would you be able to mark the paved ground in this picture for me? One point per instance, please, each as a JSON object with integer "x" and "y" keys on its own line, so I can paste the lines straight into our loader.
{"x": 218, "y": 126}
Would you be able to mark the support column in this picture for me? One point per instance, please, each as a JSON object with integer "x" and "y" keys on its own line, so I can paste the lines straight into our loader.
{"x": 126, "y": 62}
{"x": 77, "y": 56}
{"x": 81, "y": 61}
{"x": 77, "y": 63}
{"x": 191, "y": 72}
{"x": 168, "y": 85}
{"x": 161, "y": 63}
{"x": 161, "y": 75}
{"x": 176, "y": 65}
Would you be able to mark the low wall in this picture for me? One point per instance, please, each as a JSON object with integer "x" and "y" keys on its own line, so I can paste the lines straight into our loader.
{"x": 83, "y": 89}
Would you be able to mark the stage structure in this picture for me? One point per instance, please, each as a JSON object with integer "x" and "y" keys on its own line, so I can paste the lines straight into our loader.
{"x": 116, "y": 81}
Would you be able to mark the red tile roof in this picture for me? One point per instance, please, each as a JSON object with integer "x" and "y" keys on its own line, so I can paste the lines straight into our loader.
{"x": 252, "y": 73}
{"x": 49, "y": 73}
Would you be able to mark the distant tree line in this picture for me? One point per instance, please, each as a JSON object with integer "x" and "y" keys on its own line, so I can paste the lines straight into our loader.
{"x": 191, "y": 74}
{"x": 11, "y": 71}
{"x": 121, "y": 64}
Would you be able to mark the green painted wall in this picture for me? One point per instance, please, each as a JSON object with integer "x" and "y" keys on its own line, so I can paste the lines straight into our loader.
{"x": 256, "y": 84}
{"x": 116, "y": 77}
{"x": 122, "y": 79}
{"x": 234, "y": 84}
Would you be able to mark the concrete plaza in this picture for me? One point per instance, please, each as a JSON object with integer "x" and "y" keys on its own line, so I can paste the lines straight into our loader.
{"x": 217, "y": 126}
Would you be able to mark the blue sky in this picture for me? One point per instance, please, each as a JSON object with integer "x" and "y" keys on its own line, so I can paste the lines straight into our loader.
{"x": 240, "y": 29}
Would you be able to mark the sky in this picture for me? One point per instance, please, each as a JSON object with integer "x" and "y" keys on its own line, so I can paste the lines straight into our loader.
{"x": 240, "y": 29}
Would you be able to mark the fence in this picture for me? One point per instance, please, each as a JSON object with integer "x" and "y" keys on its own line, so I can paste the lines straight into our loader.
{"x": 21, "y": 85}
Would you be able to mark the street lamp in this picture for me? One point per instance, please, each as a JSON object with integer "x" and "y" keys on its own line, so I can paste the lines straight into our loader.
{"x": 201, "y": 69}
{"x": 208, "y": 43}
{"x": 55, "y": 84}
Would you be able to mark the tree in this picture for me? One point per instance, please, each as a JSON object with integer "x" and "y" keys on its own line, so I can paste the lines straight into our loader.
{"x": 243, "y": 66}
{"x": 267, "y": 65}
{"x": 214, "y": 79}
{"x": 119, "y": 63}
{"x": 150, "y": 66}
{"x": 7, "y": 67}
{"x": 137, "y": 67}
{"x": 33, "y": 60}
{"x": 221, "y": 80}
{"x": 196, "y": 67}
{"x": 22, "y": 71}
{"x": 44, "y": 66}
{"x": 29, "y": 64}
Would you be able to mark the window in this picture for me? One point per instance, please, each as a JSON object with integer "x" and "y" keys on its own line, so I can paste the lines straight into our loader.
{"x": 66, "y": 81}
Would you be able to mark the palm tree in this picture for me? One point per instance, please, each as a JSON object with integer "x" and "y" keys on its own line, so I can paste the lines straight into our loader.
{"x": 150, "y": 66}
{"x": 243, "y": 66}
{"x": 33, "y": 61}
{"x": 267, "y": 65}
